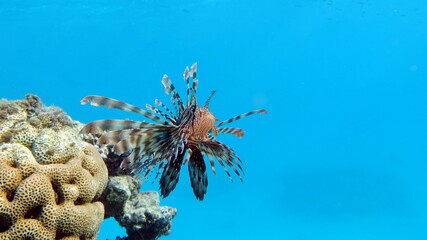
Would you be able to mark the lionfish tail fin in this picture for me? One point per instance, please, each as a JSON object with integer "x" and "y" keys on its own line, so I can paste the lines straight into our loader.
{"x": 198, "y": 177}
{"x": 170, "y": 175}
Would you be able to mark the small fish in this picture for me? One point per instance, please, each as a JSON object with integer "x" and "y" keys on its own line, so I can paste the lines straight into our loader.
{"x": 174, "y": 139}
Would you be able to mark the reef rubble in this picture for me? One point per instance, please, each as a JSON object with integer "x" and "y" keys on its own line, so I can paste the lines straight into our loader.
{"x": 56, "y": 184}
{"x": 139, "y": 212}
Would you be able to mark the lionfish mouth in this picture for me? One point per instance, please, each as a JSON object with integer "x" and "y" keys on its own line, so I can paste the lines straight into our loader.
{"x": 175, "y": 138}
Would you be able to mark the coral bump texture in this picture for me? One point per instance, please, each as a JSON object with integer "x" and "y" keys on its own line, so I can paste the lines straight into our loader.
{"x": 50, "y": 180}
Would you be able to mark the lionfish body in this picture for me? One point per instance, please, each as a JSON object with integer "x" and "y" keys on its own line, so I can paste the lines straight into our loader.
{"x": 173, "y": 140}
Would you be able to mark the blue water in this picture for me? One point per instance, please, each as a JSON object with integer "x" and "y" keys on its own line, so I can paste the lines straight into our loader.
{"x": 342, "y": 153}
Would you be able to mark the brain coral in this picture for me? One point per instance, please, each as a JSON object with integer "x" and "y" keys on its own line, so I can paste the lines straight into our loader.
{"x": 50, "y": 180}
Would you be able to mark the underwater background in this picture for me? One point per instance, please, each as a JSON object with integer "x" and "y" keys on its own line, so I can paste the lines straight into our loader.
{"x": 342, "y": 152}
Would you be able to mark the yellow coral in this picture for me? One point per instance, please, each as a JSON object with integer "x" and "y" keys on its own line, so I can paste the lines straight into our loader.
{"x": 54, "y": 147}
{"x": 50, "y": 201}
{"x": 50, "y": 180}
{"x": 24, "y": 133}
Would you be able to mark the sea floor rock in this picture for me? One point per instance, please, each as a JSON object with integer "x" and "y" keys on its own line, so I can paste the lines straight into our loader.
{"x": 139, "y": 212}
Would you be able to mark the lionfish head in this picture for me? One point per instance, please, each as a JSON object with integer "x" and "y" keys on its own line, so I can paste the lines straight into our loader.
{"x": 204, "y": 123}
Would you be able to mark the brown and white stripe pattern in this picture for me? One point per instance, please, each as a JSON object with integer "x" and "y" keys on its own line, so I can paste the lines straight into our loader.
{"x": 173, "y": 140}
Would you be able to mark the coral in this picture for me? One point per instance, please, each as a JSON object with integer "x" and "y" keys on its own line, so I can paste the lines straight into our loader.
{"x": 24, "y": 133}
{"x": 7, "y": 109}
{"x": 53, "y": 117}
{"x": 55, "y": 200}
{"x": 54, "y": 147}
{"x": 53, "y": 180}
{"x": 138, "y": 212}
{"x": 50, "y": 180}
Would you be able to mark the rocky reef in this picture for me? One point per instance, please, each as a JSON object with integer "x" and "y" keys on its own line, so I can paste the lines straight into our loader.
{"x": 139, "y": 212}
{"x": 54, "y": 184}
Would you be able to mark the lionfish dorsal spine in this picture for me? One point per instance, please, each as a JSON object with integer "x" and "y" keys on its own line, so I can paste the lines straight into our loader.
{"x": 160, "y": 112}
{"x": 187, "y": 81}
{"x": 170, "y": 89}
{"x": 157, "y": 102}
{"x": 193, "y": 70}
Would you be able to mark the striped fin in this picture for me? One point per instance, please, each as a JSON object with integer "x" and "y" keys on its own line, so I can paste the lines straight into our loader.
{"x": 110, "y": 125}
{"x": 170, "y": 88}
{"x": 212, "y": 162}
{"x": 158, "y": 111}
{"x": 187, "y": 81}
{"x": 231, "y": 153}
{"x": 193, "y": 89}
{"x": 157, "y": 144}
{"x": 91, "y": 128}
{"x": 238, "y": 132}
{"x": 131, "y": 162}
{"x": 159, "y": 169}
{"x": 147, "y": 166}
{"x": 223, "y": 153}
{"x": 225, "y": 168}
{"x": 188, "y": 156}
{"x": 113, "y": 103}
{"x": 114, "y": 137}
{"x": 157, "y": 102}
{"x": 193, "y": 70}
{"x": 188, "y": 116}
{"x": 209, "y": 99}
{"x": 130, "y": 143}
{"x": 228, "y": 162}
{"x": 186, "y": 74}
{"x": 148, "y": 169}
{"x": 132, "y": 149}
{"x": 170, "y": 175}
{"x": 198, "y": 177}
{"x": 124, "y": 146}
{"x": 241, "y": 116}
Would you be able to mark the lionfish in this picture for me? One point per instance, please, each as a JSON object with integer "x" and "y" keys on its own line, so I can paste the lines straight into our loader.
{"x": 188, "y": 133}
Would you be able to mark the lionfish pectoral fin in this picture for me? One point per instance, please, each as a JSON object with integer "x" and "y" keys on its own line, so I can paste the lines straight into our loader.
{"x": 170, "y": 175}
{"x": 225, "y": 156}
{"x": 241, "y": 116}
{"x": 91, "y": 127}
{"x": 198, "y": 177}
{"x": 238, "y": 132}
{"x": 113, "y": 103}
